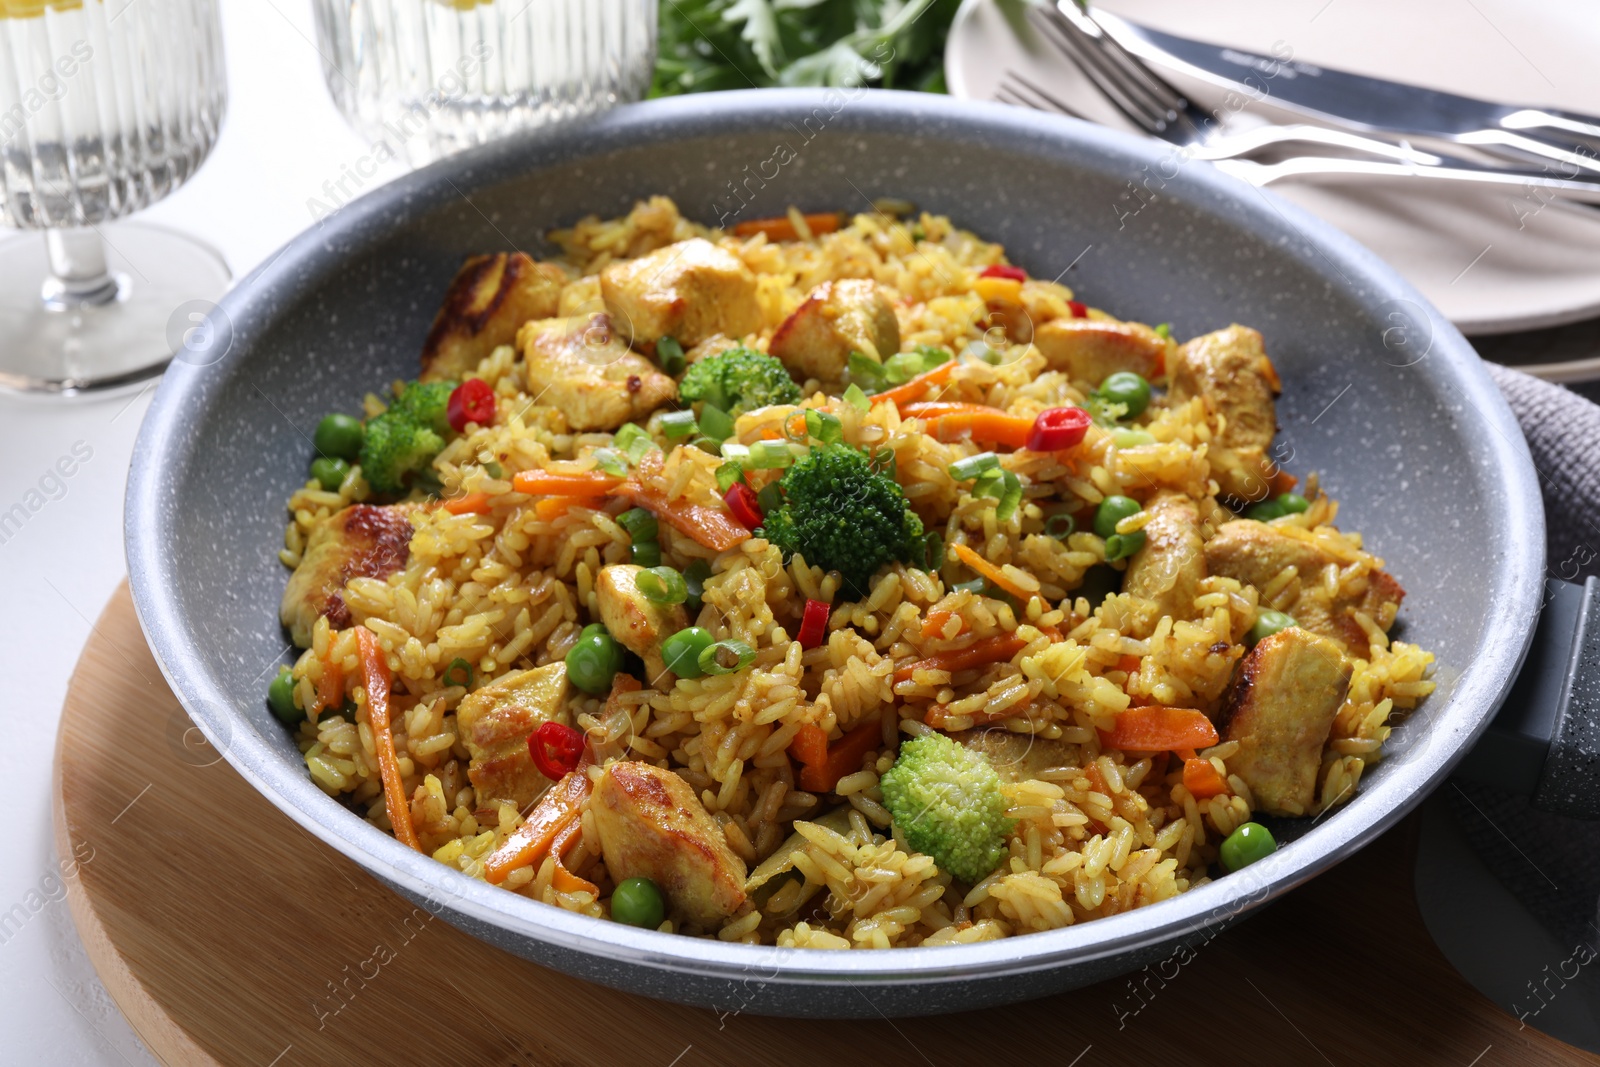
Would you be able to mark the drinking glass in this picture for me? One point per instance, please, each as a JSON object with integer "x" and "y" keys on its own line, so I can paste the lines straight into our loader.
{"x": 424, "y": 78}
{"x": 106, "y": 106}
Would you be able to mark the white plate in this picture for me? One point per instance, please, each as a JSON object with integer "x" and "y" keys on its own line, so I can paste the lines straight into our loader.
{"x": 1487, "y": 269}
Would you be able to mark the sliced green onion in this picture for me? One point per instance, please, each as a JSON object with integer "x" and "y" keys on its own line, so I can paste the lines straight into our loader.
{"x": 856, "y": 398}
{"x": 728, "y": 475}
{"x": 770, "y": 498}
{"x": 769, "y": 455}
{"x": 972, "y": 466}
{"x": 494, "y": 470}
{"x": 734, "y": 452}
{"x": 981, "y": 352}
{"x": 1128, "y": 437}
{"x": 867, "y": 371}
{"x": 824, "y": 427}
{"x": 646, "y": 553}
{"x": 679, "y": 424}
{"x": 663, "y": 585}
{"x": 610, "y": 461}
{"x": 974, "y": 586}
{"x": 904, "y": 366}
{"x": 694, "y": 579}
{"x": 1004, "y": 486}
{"x": 633, "y": 441}
{"x": 933, "y": 550}
{"x": 1121, "y": 546}
{"x": 1060, "y": 526}
{"x": 1164, "y": 331}
{"x": 640, "y": 524}
{"x": 669, "y": 354}
{"x": 715, "y": 423}
{"x": 710, "y": 658}
{"x": 461, "y": 669}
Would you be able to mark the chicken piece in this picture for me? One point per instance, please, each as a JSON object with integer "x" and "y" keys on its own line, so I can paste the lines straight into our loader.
{"x": 837, "y": 318}
{"x": 1089, "y": 350}
{"x": 652, "y": 825}
{"x": 361, "y": 541}
{"x": 1255, "y": 553}
{"x": 1169, "y": 567}
{"x": 494, "y": 722}
{"x": 687, "y": 291}
{"x": 638, "y": 623}
{"x": 1283, "y": 702}
{"x": 581, "y": 367}
{"x": 1017, "y": 757}
{"x": 1230, "y": 369}
{"x": 489, "y": 299}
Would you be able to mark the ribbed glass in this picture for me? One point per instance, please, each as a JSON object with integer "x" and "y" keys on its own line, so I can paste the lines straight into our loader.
{"x": 105, "y": 105}
{"x": 431, "y": 77}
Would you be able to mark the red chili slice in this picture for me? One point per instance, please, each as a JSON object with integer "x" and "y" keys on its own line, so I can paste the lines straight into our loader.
{"x": 1002, "y": 270}
{"x": 556, "y": 749}
{"x": 471, "y": 401}
{"x": 1078, "y": 310}
{"x": 1058, "y": 428}
{"x": 814, "y": 624}
{"x": 741, "y": 501}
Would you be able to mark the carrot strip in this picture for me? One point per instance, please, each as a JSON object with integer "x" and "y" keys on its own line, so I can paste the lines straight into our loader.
{"x": 909, "y": 390}
{"x": 471, "y": 503}
{"x": 1155, "y": 728}
{"x": 1202, "y": 779}
{"x": 548, "y": 508}
{"x": 330, "y": 686}
{"x": 781, "y": 228}
{"x": 1128, "y": 664}
{"x": 810, "y": 744}
{"x": 543, "y": 483}
{"x": 991, "y": 572}
{"x": 528, "y": 843}
{"x": 1282, "y": 481}
{"x": 375, "y": 675}
{"x": 839, "y": 758}
{"x": 996, "y": 649}
{"x": 949, "y": 421}
{"x": 708, "y": 526}
{"x": 563, "y": 879}
{"x": 933, "y": 625}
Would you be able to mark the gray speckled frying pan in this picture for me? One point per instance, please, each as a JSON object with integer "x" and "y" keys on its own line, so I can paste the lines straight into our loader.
{"x": 1381, "y": 396}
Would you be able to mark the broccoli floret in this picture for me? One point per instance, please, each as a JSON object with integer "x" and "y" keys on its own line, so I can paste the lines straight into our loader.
{"x": 396, "y": 448}
{"x": 426, "y": 404}
{"x": 739, "y": 380}
{"x": 946, "y": 802}
{"x": 843, "y": 515}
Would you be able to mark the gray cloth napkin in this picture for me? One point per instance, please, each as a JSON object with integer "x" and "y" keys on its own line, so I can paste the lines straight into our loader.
{"x": 1518, "y": 843}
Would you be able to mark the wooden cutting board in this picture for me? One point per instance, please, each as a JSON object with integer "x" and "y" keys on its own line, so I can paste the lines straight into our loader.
{"x": 228, "y": 935}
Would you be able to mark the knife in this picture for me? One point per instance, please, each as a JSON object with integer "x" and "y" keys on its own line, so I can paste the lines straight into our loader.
{"x": 1371, "y": 105}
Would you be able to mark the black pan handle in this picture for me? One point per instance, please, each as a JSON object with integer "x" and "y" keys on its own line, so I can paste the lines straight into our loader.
{"x": 1545, "y": 742}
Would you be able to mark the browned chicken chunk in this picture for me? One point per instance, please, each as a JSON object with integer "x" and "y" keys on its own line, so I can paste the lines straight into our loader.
{"x": 489, "y": 299}
{"x": 1169, "y": 567}
{"x": 1230, "y": 369}
{"x": 580, "y": 366}
{"x": 640, "y": 624}
{"x": 1017, "y": 757}
{"x": 687, "y": 291}
{"x": 1087, "y": 350}
{"x": 1283, "y": 702}
{"x": 494, "y": 723}
{"x": 653, "y": 826}
{"x": 837, "y": 318}
{"x": 362, "y": 541}
{"x": 1255, "y": 554}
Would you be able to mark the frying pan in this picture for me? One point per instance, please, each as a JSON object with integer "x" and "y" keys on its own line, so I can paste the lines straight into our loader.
{"x": 1381, "y": 396}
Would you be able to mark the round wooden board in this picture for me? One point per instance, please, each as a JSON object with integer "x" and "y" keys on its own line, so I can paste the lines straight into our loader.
{"x": 228, "y": 935}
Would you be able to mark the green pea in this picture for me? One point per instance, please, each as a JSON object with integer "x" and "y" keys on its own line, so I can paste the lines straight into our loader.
{"x": 637, "y": 902}
{"x": 329, "y": 472}
{"x": 1112, "y": 510}
{"x": 594, "y": 661}
{"x": 1265, "y": 511}
{"x": 592, "y": 629}
{"x": 1246, "y": 845}
{"x": 1292, "y": 503}
{"x": 280, "y": 698}
{"x": 1269, "y": 622}
{"x": 681, "y": 651}
{"x": 340, "y": 437}
{"x": 1129, "y": 389}
{"x": 646, "y": 553}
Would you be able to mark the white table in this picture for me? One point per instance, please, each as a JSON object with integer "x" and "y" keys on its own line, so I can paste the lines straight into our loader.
{"x": 283, "y": 144}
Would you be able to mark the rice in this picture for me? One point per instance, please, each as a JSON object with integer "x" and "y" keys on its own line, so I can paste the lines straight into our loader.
{"x": 1097, "y": 831}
